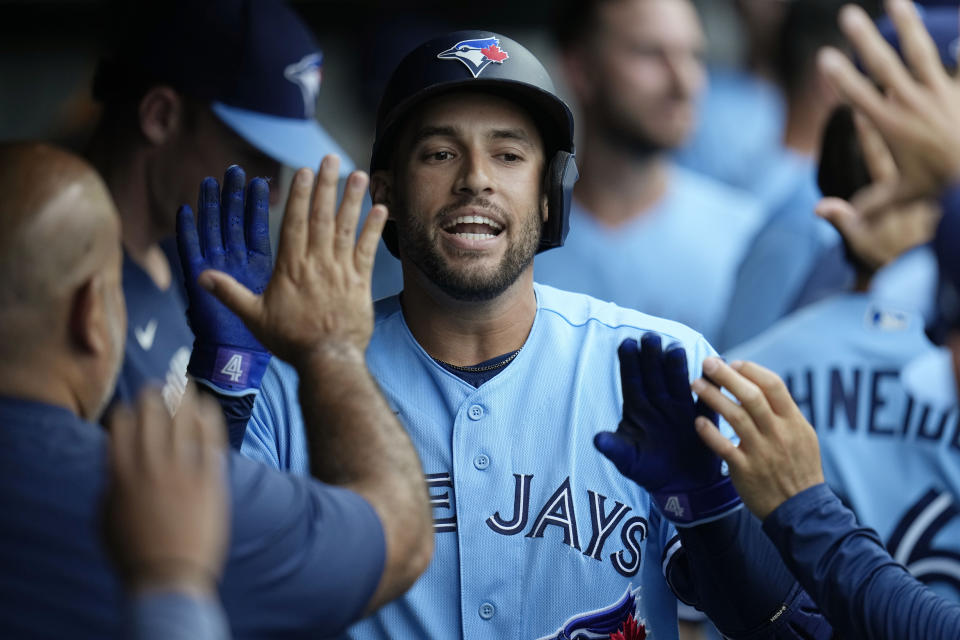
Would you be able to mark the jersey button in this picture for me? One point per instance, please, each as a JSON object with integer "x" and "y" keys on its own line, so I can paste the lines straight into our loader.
{"x": 487, "y": 610}
{"x": 482, "y": 461}
{"x": 475, "y": 412}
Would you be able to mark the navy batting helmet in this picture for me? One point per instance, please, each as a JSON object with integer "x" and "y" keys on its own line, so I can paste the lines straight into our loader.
{"x": 495, "y": 64}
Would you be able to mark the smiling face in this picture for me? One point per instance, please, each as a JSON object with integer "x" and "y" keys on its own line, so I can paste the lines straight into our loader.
{"x": 466, "y": 194}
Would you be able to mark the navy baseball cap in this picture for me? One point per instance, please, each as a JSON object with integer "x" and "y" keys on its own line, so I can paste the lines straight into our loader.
{"x": 942, "y": 23}
{"x": 255, "y": 61}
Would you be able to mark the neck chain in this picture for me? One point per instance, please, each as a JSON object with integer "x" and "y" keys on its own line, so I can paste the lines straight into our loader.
{"x": 481, "y": 369}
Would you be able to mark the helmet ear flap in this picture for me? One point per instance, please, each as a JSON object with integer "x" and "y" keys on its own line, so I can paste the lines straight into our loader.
{"x": 389, "y": 235}
{"x": 558, "y": 180}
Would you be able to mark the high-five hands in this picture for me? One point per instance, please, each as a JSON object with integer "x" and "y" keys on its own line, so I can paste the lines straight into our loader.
{"x": 778, "y": 455}
{"x": 319, "y": 295}
{"x": 915, "y": 109}
{"x": 879, "y": 236}
{"x": 655, "y": 444}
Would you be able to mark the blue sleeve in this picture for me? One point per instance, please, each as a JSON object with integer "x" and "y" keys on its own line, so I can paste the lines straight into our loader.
{"x": 167, "y": 615}
{"x": 236, "y": 412}
{"x": 304, "y": 557}
{"x": 947, "y": 238}
{"x": 861, "y": 589}
{"x": 728, "y": 569}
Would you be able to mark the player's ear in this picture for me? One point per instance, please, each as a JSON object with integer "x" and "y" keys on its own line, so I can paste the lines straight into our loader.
{"x": 160, "y": 113}
{"x": 544, "y": 207}
{"x": 381, "y": 188}
{"x": 88, "y": 317}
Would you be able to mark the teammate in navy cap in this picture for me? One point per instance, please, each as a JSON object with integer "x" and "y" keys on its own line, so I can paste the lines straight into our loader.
{"x": 304, "y": 557}
{"x": 188, "y": 89}
{"x": 503, "y": 384}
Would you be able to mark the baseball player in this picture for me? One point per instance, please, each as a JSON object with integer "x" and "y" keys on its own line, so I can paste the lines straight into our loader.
{"x": 172, "y": 114}
{"x": 304, "y": 557}
{"x": 635, "y": 69}
{"x": 503, "y": 384}
{"x": 855, "y": 365}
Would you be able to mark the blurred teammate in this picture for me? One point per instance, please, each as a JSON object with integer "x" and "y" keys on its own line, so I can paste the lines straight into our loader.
{"x": 645, "y": 233}
{"x": 786, "y": 248}
{"x": 304, "y": 557}
{"x": 720, "y": 146}
{"x": 190, "y": 88}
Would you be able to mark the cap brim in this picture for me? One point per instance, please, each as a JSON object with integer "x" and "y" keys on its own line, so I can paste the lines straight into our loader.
{"x": 291, "y": 141}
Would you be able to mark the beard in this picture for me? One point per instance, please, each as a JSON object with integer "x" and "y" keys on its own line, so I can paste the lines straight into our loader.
{"x": 627, "y": 130}
{"x": 471, "y": 281}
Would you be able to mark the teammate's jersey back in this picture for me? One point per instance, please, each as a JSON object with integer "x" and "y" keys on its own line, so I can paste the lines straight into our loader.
{"x": 890, "y": 450}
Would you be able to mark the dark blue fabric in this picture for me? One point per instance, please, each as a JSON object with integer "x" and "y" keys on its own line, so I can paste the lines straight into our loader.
{"x": 304, "y": 557}
{"x": 729, "y": 569}
{"x": 158, "y": 338}
{"x": 239, "y": 52}
{"x": 845, "y": 568}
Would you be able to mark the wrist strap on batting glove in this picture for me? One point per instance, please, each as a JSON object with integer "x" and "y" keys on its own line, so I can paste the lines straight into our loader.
{"x": 228, "y": 370}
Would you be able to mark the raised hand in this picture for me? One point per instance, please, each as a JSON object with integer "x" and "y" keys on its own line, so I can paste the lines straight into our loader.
{"x": 166, "y": 513}
{"x": 319, "y": 296}
{"x": 878, "y": 236}
{"x": 233, "y": 236}
{"x": 778, "y": 455}
{"x": 915, "y": 110}
{"x": 655, "y": 444}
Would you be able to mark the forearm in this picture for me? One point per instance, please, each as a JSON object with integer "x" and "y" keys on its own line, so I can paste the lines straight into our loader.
{"x": 355, "y": 441}
{"x": 844, "y": 567}
{"x": 732, "y": 572}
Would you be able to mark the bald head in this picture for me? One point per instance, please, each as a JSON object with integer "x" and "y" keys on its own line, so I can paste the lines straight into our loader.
{"x": 58, "y": 224}
{"x": 62, "y": 314}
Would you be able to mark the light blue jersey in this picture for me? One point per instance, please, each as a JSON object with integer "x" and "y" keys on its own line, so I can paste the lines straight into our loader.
{"x": 891, "y": 448}
{"x": 783, "y": 253}
{"x": 678, "y": 260}
{"x": 721, "y": 146}
{"x": 537, "y": 534}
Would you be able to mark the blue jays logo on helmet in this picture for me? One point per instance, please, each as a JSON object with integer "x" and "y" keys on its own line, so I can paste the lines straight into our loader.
{"x": 618, "y": 621}
{"x": 476, "y": 55}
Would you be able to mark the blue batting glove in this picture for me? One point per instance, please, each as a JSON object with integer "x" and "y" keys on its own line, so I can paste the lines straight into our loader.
{"x": 234, "y": 237}
{"x": 655, "y": 444}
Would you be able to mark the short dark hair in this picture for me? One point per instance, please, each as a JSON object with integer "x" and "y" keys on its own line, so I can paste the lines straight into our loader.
{"x": 807, "y": 26}
{"x": 574, "y": 20}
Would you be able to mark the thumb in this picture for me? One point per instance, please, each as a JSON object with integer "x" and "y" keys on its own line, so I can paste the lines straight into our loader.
{"x": 839, "y": 213}
{"x": 236, "y": 297}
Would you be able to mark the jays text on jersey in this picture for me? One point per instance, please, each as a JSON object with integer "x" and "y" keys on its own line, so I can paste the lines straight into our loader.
{"x": 891, "y": 453}
{"x": 537, "y": 534}
{"x": 678, "y": 260}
